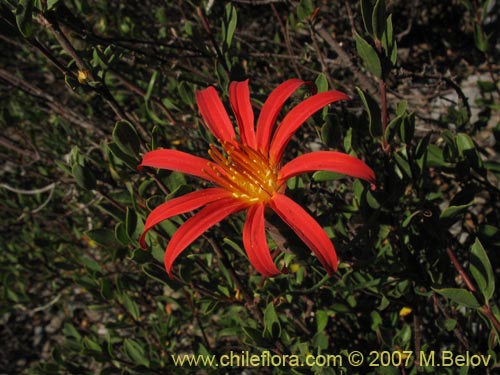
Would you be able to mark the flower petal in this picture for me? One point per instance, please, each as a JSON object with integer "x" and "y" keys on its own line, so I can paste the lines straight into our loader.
{"x": 255, "y": 242}
{"x": 197, "y": 224}
{"x": 176, "y": 161}
{"x": 271, "y": 109}
{"x": 213, "y": 112}
{"x": 327, "y": 161}
{"x": 307, "y": 229}
{"x": 179, "y": 205}
{"x": 296, "y": 117}
{"x": 239, "y": 96}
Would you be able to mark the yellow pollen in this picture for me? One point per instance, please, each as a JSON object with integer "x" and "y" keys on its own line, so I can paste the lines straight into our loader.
{"x": 243, "y": 171}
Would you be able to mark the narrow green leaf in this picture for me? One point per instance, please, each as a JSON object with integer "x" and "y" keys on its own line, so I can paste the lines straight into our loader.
{"x": 121, "y": 234}
{"x": 321, "y": 82}
{"x": 186, "y": 93}
{"x": 373, "y": 112}
{"x": 321, "y": 320}
{"x": 388, "y": 36}
{"x": 366, "y": 14}
{"x": 321, "y": 176}
{"x": 480, "y": 38}
{"x": 83, "y": 177}
{"x": 130, "y": 161}
{"x": 134, "y": 225}
{"x": 104, "y": 237}
{"x": 130, "y": 305}
{"x": 231, "y": 21}
{"x": 272, "y": 324}
{"x": 452, "y": 212}
{"x": 464, "y": 143}
{"x": 126, "y": 137}
{"x": 460, "y": 296}
{"x": 379, "y": 19}
{"x": 368, "y": 55}
{"x": 481, "y": 270}
{"x": 135, "y": 352}
{"x": 24, "y": 17}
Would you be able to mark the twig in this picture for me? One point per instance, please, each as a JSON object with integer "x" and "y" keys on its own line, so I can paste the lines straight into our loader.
{"x": 460, "y": 270}
{"x": 286, "y": 37}
{"x": 61, "y": 38}
{"x": 49, "y": 100}
{"x": 8, "y": 144}
{"x": 208, "y": 29}
{"x": 346, "y": 60}
{"x": 135, "y": 89}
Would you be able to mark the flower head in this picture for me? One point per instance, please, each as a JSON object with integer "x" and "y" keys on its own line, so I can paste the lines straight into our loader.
{"x": 248, "y": 174}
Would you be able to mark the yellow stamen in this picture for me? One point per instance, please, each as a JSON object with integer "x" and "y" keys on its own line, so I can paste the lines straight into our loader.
{"x": 243, "y": 171}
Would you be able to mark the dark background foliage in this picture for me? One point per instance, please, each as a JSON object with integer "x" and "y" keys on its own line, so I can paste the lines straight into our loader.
{"x": 86, "y": 87}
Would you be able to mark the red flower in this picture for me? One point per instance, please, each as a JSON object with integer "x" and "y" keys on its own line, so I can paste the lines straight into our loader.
{"x": 248, "y": 174}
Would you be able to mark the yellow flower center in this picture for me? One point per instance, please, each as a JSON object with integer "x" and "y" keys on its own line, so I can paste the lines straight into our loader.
{"x": 243, "y": 171}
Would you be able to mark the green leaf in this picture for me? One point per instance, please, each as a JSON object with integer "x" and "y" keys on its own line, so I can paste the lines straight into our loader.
{"x": 452, "y": 212}
{"x": 481, "y": 270}
{"x": 134, "y": 225}
{"x": 464, "y": 143}
{"x": 130, "y": 305}
{"x": 373, "y": 112}
{"x": 126, "y": 138}
{"x": 121, "y": 234}
{"x": 272, "y": 324}
{"x": 104, "y": 237}
{"x": 480, "y": 38}
{"x": 304, "y": 9}
{"x": 379, "y": 19}
{"x": 231, "y": 22}
{"x": 321, "y": 176}
{"x": 24, "y": 17}
{"x": 83, "y": 177}
{"x": 135, "y": 352}
{"x": 117, "y": 152}
{"x": 321, "y": 82}
{"x": 321, "y": 320}
{"x": 368, "y": 55}
{"x": 460, "y": 296}
{"x": 366, "y": 14}
{"x": 388, "y": 37}
{"x": 147, "y": 100}
{"x": 186, "y": 93}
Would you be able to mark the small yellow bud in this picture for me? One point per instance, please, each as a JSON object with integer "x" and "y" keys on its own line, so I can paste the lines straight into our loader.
{"x": 405, "y": 311}
{"x": 83, "y": 76}
{"x": 237, "y": 294}
{"x": 294, "y": 267}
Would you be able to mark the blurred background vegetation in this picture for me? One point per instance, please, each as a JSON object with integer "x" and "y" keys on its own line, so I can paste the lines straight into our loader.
{"x": 86, "y": 87}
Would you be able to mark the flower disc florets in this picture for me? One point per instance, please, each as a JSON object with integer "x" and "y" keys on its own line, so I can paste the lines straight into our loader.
{"x": 246, "y": 173}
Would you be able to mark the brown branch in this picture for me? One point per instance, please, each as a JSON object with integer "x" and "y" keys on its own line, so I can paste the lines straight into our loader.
{"x": 286, "y": 37}
{"x": 49, "y": 100}
{"x": 460, "y": 270}
{"x": 64, "y": 42}
{"x": 9, "y": 145}
{"x": 139, "y": 91}
{"x": 346, "y": 60}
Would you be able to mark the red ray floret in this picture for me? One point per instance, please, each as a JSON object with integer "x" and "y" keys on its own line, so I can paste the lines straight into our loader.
{"x": 331, "y": 161}
{"x": 255, "y": 242}
{"x": 270, "y": 110}
{"x": 176, "y": 161}
{"x": 197, "y": 225}
{"x": 180, "y": 205}
{"x": 296, "y": 117}
{"x": 307, "y": 229}
{"x": 213, "y": 112}
{"x": 239, "y": 96}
